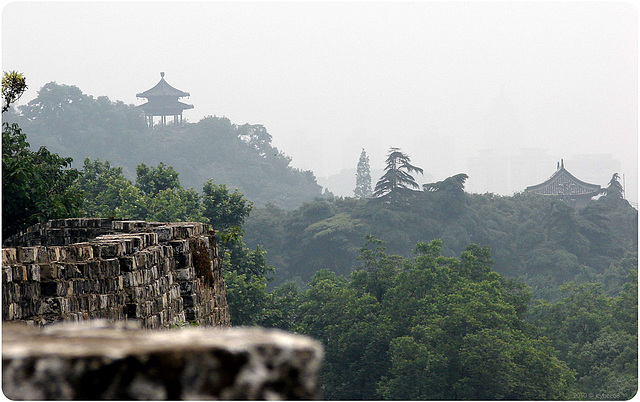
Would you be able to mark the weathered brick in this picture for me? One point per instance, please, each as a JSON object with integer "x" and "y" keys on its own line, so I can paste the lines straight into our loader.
{"x": 128, "y": 264}
{"x": 56, "y": 288}
{"x": 80, "y": 252}
{"x": 48, "y": 271}
{"x": 33, "y": 272}
{"x": 74, "y": 270}
{"x": 9, "y": 256}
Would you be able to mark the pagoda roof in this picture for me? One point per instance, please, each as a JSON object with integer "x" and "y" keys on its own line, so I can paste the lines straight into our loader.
{"x": 156, "y": 108}
{"x": 162, "y": 88}
{"x": 564, "y": 184}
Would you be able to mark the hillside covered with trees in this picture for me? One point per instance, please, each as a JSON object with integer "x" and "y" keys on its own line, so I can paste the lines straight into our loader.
{"x": 419, "y": 293}
{"x": 519, "y": 297}
{"x": 538, "y": 239}
{"x": 71, "y": 123}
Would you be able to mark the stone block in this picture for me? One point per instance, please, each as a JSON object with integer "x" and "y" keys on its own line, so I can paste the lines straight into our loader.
{"x": 27, "y": 255}
{"x": 184, "y": 260}
{"x": 33, "y": 272}
{"x": 7, "y": 274}
{"x": 74, "y": 270}
{"x": 188, "y": 300}
{"x": 30, "y": 290}
{"x": 49, "y": 271}
{"x": 111, "y": 249}
{"x": 154, "y": 255}
{"x": 128, "y": 264}
{"x": 56, "y": 288}
{"x": 9, "y": 256}
{"x": 80, "y": 252}
{"x": 130, "y": 226}
{"x": 167, "y": 252}
{"x": 19, "y": 273}
{"x": 165, "y": 233}
{"x": 57, "y": 253}
{"x": 55, "y": 306}
{"x": 129, "y": 279}
{"x": 179, "y": 246}
{"x": 109, "y": 268}
{"x": 141, "y": 259}
{"x": 104, "y": 302}
{"x": 186, "y": 287}
{"x": 91, "y": 269}
{"x": 185, "y": 274}
{"x": 12, "y": 292}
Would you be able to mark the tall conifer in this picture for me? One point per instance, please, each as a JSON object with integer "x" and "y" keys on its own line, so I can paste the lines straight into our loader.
{"x": 397, "y": 177}
{"x": 363, "y": 177}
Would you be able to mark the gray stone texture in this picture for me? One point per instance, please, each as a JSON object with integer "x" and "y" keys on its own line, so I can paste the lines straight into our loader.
{"x": 160, "y": 274}
{"x": 97, "y": 360}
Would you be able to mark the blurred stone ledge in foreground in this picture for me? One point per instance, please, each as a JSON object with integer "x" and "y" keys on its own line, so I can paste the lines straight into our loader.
{"x": 96, "y": 360}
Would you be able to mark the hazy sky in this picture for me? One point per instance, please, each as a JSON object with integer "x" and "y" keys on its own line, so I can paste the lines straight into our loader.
{"x": 327, "y": 79}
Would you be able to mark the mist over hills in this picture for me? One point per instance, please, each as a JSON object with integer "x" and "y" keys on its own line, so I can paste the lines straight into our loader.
{"x": 72, "y": 123}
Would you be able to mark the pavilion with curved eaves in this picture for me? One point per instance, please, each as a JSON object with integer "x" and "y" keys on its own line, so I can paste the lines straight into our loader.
{"x": 162, "y": 101}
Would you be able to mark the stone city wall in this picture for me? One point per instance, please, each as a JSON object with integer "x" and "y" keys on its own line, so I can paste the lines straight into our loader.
{"x": 160, "y": 274}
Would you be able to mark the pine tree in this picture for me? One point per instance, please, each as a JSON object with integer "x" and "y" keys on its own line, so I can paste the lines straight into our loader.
{"x": 363, "y": 177}
{"x": 397, "y": 178}
{"x": 615, "y": 189}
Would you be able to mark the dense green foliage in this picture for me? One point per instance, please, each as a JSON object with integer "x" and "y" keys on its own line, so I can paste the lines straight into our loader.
{"x": 156, "y": 196}
{"x": 596, "y": 335}
{"x": 543, "y": 241}
{"x": 432, "y": 327}
{"x": 36, "y": 185}
{"x": 72, "y": 123}
{"x": 451, "y": 328}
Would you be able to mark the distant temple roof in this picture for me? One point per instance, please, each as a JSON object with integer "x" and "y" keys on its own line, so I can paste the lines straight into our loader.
{"x": 564, "y": 184}
{"x": 162, "y": 100}
{"x": 162, "y": 88}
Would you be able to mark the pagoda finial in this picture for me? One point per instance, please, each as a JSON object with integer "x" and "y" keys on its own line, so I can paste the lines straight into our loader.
{"x": 162, "y": 74}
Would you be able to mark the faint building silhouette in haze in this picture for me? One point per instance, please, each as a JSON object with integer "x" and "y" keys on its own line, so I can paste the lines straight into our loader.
{"x": 508, "y": 163}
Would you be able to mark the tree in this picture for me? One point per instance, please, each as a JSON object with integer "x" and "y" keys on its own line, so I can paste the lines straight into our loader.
{"x": 355, "y": 331}
{"x": 152, "y": 180}
{"x": 36, "y": 186}
{"x": 397, "y": 178}
{"x": 157, "y": 195}
{"x": 224, "y": 210}
{"x": 107, "y": 192}
{"x": 615, "y": 189}
{"x": 596, "y": 335}
{"x": 363, "y": 177}
{"x": 450, "y": 197}
{"x": 433, "y": 327}
{"x": 13, "y": 86}
{"x": 453, "y": 184}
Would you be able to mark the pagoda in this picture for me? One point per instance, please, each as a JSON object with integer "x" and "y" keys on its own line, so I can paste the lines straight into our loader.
{"x": 566, "y": 187}
{"x": 162, "y": 100}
